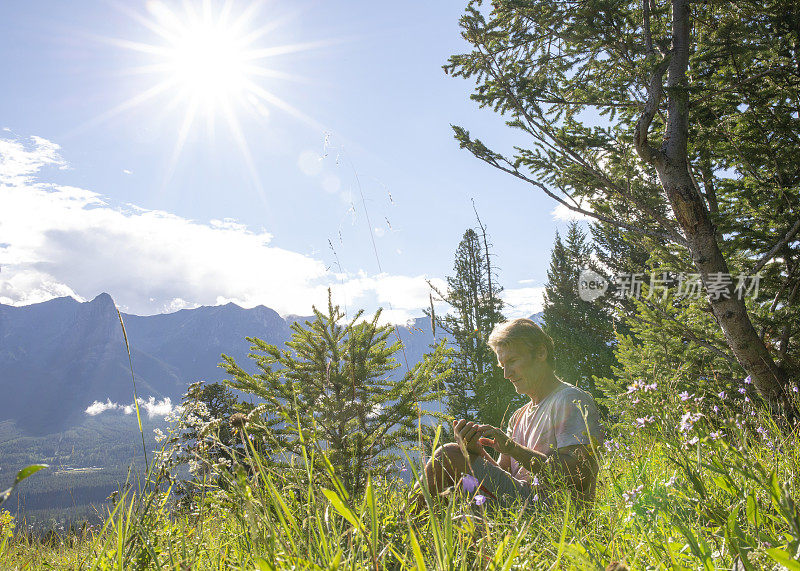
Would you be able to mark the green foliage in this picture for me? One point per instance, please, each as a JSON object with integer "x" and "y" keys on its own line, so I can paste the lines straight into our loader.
{"x": 677, "y": 491}
{"x": 664, "y": 345}
{"x": 334, "y": 386}
{"x": 574, "y": 79}
{"x": 476, "y": 390}
{"x": 582, "y": 331}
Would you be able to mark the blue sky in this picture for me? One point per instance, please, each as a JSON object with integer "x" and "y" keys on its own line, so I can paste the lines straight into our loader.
{"x": 98, "y": 194}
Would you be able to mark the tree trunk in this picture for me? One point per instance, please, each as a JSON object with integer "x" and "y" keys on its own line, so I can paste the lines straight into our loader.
{"x": 672, "y": 165}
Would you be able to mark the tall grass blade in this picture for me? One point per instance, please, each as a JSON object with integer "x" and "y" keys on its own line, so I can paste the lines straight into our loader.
{"x": 342, "y": 508}
{"x": 783, "y": 558}
{"x": 133, "y": 380}
{"x": 21, "y": 475}
{"x": 418, "y": 558}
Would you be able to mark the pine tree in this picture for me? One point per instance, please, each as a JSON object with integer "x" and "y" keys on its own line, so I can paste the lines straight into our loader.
{"x": 333, "y": 387}
{"x": 582, "y": 331}
{"x": 476, "y": 390}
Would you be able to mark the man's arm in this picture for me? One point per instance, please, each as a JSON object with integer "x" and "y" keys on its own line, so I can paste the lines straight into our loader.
{"x": 574, "y": 465}
{"x": 504, "y": 461}
{"x": 531, "y": 460}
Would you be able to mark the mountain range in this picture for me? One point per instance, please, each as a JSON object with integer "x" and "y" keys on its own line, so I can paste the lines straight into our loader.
{"x": 60, "y": 356}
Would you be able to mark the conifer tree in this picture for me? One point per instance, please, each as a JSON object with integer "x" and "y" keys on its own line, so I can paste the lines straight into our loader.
{"x": 334, "y": 387}
{"x": 582, "y": 331}
{"x": 476, "y": 390}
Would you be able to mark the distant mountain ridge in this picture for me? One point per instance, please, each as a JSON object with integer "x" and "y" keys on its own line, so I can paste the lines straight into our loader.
{"x": 59, "y": 356}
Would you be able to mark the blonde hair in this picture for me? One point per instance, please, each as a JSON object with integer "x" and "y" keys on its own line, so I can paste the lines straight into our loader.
{"x": 524, "y": 331}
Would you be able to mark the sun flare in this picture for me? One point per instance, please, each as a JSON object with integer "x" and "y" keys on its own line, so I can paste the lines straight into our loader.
{"x": 208, "y": 59}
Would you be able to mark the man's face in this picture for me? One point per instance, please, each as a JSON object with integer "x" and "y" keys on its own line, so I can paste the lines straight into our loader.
{"x": 523, "y": 367}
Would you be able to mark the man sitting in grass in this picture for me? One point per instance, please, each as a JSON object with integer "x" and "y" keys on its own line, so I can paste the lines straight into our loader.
{"x": 552, "y": 438}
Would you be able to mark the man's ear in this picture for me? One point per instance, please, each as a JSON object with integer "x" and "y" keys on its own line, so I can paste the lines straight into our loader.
{"x": 541, "y": 353}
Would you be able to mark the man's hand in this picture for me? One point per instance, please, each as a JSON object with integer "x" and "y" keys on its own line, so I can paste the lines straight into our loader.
{"x": 496, "y": 438}
{"x": 468, "y": 435}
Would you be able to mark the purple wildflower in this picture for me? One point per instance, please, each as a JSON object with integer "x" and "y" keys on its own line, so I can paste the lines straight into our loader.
{"x": 715, "y": 408}
{"x": 748, "y": 380}
{"x": 652, "y": 387}
{"x": 715, "y": 435}
{"x": 469, "y": 483}
{"x": 684, "y": 396}
{"x": 688, "y": 420}
{"x": 480, "y": 499}
{"x": 644, "y": 421}
{"x": 742, "y": 390}
{"x": 631, "y": 495}
{"x": 722, "y": 395}
{"x": 746, "y": 399}
{"x": 794, "y": 388}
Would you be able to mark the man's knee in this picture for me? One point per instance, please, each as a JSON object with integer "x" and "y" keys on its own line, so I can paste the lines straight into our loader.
{"x": 451, "y": 457}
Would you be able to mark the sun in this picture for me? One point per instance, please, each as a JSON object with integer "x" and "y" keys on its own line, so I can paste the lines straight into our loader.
{"x": 209, "y": 62}
{"x": 208, "y": 59}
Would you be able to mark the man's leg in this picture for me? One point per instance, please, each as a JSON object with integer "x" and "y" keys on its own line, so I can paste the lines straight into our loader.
{"x": 445, "y": 468}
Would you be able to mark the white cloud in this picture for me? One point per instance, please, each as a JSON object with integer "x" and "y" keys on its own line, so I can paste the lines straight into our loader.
{"x": 177, "y": 304}
{"x": 17, "y": 163}
{"x": 151, "y": 407}
{"x": 59, "y": 240}
{"x": 98, "y": 407}
{"x": 523, "y": 302}
{"x": 26, "y": 286}
{"x": 156, "y": 408}
{"x": 401, "y": 297}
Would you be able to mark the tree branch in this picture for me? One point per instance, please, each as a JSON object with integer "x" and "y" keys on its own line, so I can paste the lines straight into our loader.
{"x": 648, "y": 40}
{"x": 783, "y": 241}
{"x": 510, "y": 169}
{"x": 655, "y": 91}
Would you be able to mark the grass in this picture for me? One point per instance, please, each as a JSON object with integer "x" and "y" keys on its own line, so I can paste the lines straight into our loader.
{"x": 683, "y": 484}
{"x": 663, "y": 503}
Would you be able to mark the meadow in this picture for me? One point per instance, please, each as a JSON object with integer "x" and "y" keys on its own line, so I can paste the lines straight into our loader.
{"x": 681, "y": 488}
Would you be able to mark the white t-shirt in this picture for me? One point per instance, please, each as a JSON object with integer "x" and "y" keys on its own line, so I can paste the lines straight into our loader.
{"x": 556, "y": 422}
